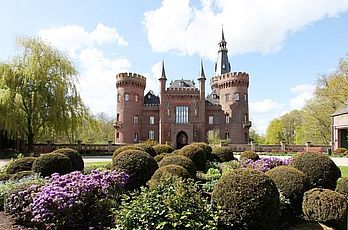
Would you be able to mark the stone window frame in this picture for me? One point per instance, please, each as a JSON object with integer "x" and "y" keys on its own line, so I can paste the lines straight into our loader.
{"x": 151, "y": 134}
{"x": 211, "y": 119}
{"x": 181, "y": 114}
{"x": 151, "y": 120}
{"x": 126, "y": 97}
{"x": 227, "y": 118}
{"x": 236, "y": 96}
{"x": 136, "y": 119}
{"x": 135, "y": 137}
{"x": 136, "y": 97}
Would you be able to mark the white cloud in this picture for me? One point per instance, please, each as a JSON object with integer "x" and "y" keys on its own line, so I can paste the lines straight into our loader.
{"x": 304, "y": 92}
{"x": 263, "y": 106}
{"x": 250, "y": 26}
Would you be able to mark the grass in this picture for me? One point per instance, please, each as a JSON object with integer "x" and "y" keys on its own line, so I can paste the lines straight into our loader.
{"x": 344, "y": 171}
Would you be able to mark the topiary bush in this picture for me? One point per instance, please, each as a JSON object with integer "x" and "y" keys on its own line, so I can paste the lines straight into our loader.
{"x": 138, "y": 164}
{"x": 159, "y": 157}
{"x": 222, "y": 154}
{"x": 326, "y": 206}
{"x": 321, "y": 171}
{"x": 163, "y": 149}
{"x": 147, "y": 148}
{"x": 340, "y": 150}
{"x": 20, "y": 164}
{"x": 206, "y": 148}
{"x": 77, "y": 163}
{"x": 21, "y": 174}
{"x": 182, "y": 161}
{"x": 172, "y": 169}
{"x": 249, "y": 155}
{"x": 123, "y": 148}
{"x": 196, "y": 154}
{"x": 292, "y": 183}
{"x": 248, "y": 199}
{"x": 50, "y": 163}
{"x": 342, "y": 186}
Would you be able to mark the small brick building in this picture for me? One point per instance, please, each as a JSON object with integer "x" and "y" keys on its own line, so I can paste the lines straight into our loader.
{"x": 183, "y": 113}
{"x": 340, "y": 129}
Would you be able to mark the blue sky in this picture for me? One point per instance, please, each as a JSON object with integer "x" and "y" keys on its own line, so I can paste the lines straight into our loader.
{"x": 284, "y": 45}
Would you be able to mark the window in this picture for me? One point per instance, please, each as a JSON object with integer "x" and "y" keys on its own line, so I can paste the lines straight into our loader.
{"x": 196, "y": 112}
{"x": 211, "y": 120}
{"x": 246, "y": 117}
{"x": 136, "y": 119}
{"x": 152, "y": 120}
{"x": 236, "y": 96}
{"x": 181, "y": 114}
{"x": 118, "y": 117}
{"x": 227, "y": 97}
{"x": 227, "y": 135}
{"x": 118, "y": 97}
{"x": 245, "y": 97}
{"x": 126, "y": 97}
{"x": 117, "y": 135}
{"x": 227, "y": 118}
{"x": 135, "y": 137}
{"x": 151, "y": 135}
{"x": 168, "y": 112}
{"x": 136, "y": 98}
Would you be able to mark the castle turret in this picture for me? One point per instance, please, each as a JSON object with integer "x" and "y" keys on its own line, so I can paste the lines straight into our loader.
{"x": 130, "y": 100}
{"x": 201, "y": 125}
{"x": 222, "y": 64}
{"x": 163, "y": 80}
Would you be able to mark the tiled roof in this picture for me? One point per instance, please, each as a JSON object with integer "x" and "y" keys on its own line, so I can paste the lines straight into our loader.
{"x": 182, "y": 84}
{"x": 151, "y": 99}
{"x": 214, "y": 97}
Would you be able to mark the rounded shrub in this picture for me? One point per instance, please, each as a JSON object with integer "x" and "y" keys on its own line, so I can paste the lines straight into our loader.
{"x": 183, "y": 161}
{"x": 20, "y": 164}
{"x": 196, "y": 154}
{"x": 74, "y": 156}
{"x": 159, "y": 157}
{"x": 321, "y": 171}
{"x": 292, "y": 183}
{"x": 342, "y": 186}
{"x": 172, "y": 169}
{"x": 21, "y": 174}
{"x": 138, "y": 164}
{"x": 340, "y": 150}
{"x": 50, "y": 163}
{"x": 249, "y": 155}
{"x": 326, "y": 206}
{"x": 206, "y": 148}
{"x": 124, "y": 148}
{"x": 222, "y": 154}
{"x": 147, "y": 148}
{"x": 248, "y": 199}
{"x": 163, "y": 149}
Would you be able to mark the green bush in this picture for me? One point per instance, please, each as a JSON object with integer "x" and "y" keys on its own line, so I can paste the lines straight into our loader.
{"x": 163, "y": 149}
{"x": 292, "y": 183}
{"x": 5, "y": 177}
{"x": 342, "y": 186}
{"x": 326, "y": 206}
{"x": 249, "y": 155}
{"x": 206, "y": 148}
{"x": 183, "y": 161}
{"x": 248, "y": 199}
{"x": 147, "y": 148}
{"x": 225, "y": 167}
{"x": 77, "y": 163}
{"x": 340, "y": 150}
{"x": 161, "y": 156}
{"x": 50, "y": 163}
{"x": 222, "y": 154}
{"x": 123, "y": 148}
{"x": 20, "y": 164}
{"x": 172, "y": 169}
{"x": 196, "y": 154}
{"x": 173, "y": 204}
{"x": 21, "y": 174}
{"x": 321, "y": 171}
{"x": 138, "y": 164}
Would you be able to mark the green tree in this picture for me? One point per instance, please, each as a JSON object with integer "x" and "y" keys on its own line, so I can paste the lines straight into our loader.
{"x": 291, "y": 121}
{"x": 38, "y": 93}
{"x": 275, "y": 132}
{"x": 255, "y": 137}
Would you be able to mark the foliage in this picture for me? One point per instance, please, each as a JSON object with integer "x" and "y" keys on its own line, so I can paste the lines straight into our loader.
{"x": 292, "y": 183}
{"x": 182, "y": 161}
{"x": 274, "y": 132}
{"x": 20, "y": 175}
{"x": 173, "y": 204}
{"x": 38, "y": 93}
{"x": 161, "y": 156}
{"x": 249, "y": 200}
{"x": 321, "y": 171}
{"x": 138, "y": 164}
{"x": 50, "y": 163}
{"x": 340, "y": 150}
{"x": 20, "y": 164}
{"x": 213, "y": 137}
{"x": 342, "y": 186}
{"x": 77, "y": 163}
{"x": 163, "y": 149}
{"x": 264, "y": 164}
{"x": 222, "y": 154}
{"x": 230, "y": 165}
{"x": 196, "y": 154}
{"x": 255, "y": 137}
{"x": 326, "y": 206}
{"x": 172, "y": 169}
{"x": 206, "y": 148}
{"x": 123, "y": 148}
{"x": 147, "y": 148}
{"x": 249, "y": 155}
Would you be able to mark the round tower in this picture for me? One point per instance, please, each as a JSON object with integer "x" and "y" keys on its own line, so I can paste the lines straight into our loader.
{"x": 130, "y": 100}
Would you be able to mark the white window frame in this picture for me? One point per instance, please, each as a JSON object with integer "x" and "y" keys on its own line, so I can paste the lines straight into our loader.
{"x": 236, "y": 96}
{"x": 151, "y": 134}
{"x": 227, "y": 118}
{"x": 136, "y": 97}
{"x": 126, "y": 97}
{"x": 136, "y": 119}
{"x": 211, "y": 120}
{"x": 152, "y": 120}
{"x": 135, "y": 137}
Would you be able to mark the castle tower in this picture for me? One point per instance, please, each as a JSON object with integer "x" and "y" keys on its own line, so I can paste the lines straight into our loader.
{"x": 130, "y": 100}
{"x": 233, "y": 96}
{"x": 163, "y": 80}
{"x": 201, "y": 125}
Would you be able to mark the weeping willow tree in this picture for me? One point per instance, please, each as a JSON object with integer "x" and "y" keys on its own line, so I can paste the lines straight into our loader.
{"x": 38, "y": 93}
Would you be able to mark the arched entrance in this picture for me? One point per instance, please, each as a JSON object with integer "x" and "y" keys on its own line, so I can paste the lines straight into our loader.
{"x": 181, "y": 139}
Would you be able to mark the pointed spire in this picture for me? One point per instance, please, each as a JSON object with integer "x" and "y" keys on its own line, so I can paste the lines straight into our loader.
{"x": 222, "y": 33}
{"x": 163, "y": 74}
{"x": 202, "y": 75}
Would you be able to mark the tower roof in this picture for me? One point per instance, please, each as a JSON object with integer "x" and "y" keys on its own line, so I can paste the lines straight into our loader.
{"x": 202, "y": 74}
{"x": 222, "y": 64}
{"x": 163, "y": 74}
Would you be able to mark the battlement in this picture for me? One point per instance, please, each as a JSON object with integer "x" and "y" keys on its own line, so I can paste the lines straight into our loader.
{"x": 240, "y": 75}
{"x": 183, "y": 89}
{"x": 130, "y": 78}
{"x": 233, "y": 79}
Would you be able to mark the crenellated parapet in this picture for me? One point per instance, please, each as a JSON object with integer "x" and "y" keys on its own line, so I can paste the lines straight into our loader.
{"x": 130, "y": 79}
{"x": 227, "y": 80}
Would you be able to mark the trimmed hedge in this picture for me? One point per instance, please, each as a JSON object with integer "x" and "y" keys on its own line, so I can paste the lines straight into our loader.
{"x": 248, "y": 199}
{"x": 182, "y": 161}
{"x": 74, "y": 156}
{"x": 196, "y": 154}
{"x": 249, "y": 155}
{"x": 21, "y": 174}
{"x": 206, "y": 148}
{"x": 222, "y": 154}
{"x": 172, "y": 169}
{"x": 342, "y": 186}
{"x": 147, "y": 148}
{"x": 20, "y": 164}
{"x": 161, "y": 156}
{"x": 321, "y": 171}
{"x": 138, "y": 164}
{"x": 163, "y": 149}
{"x": 326, "y": 206}
{"x": 50, "y": 163}
{"x": 292, "y": 183}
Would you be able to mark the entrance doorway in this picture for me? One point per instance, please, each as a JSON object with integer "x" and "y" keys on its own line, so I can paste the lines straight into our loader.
{"x": 344, "y": 138}
{"x": 181, "y": 139}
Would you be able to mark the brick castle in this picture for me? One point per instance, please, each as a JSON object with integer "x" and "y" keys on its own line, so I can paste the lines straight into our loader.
{"x": 183, "y": 113}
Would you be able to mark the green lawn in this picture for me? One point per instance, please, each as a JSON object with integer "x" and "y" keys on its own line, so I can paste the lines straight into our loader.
{"x": 344, "y": 171}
